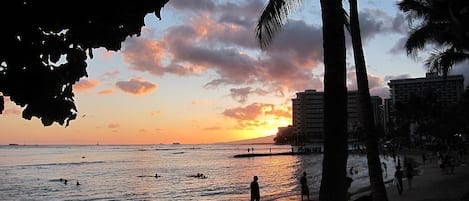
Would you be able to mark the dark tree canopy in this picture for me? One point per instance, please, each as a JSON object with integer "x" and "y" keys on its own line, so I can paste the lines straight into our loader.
{"x": 45, "y": 44}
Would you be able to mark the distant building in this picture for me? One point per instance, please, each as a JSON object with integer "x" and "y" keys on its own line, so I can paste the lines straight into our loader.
{"x": 449, "y": 90}
{"x": 308, "y": 115}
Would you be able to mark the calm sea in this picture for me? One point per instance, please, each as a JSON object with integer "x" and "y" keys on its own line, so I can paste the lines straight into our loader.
{"x": 126, "y": 172}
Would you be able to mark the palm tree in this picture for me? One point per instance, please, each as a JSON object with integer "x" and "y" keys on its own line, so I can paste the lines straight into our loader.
{"x": 444, "y": 23}
{"x": 335, "y": 92}
{"x": 365, "y": 111}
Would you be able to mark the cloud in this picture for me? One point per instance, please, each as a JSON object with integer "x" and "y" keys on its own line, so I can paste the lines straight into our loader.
{"x": 219, "y": 41}
{"x": 113, "y": 125}
{"x": 11, "y": 111}
{"x": 110, "y": 74}
{"x": 376, "y": 85}
{"x": 144, "y": 54}
{"x": 199, "y": 5}
{"x": 136, "y": 86}
{"x": 85, "y": 84}
{"x": 399, "y": 46}
{"x": 105, "y": 92}
{"x": 253, "y": 111}
{"x": 206, "y": 102}
{"x": 241, "y": 94}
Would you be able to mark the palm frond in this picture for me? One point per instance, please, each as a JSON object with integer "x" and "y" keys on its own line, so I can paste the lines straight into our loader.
{"x": 420, "y": 36}
{"x": 273, "y": 17}
{"x": 414, "y": 9}
{"x": 441, "y": 61}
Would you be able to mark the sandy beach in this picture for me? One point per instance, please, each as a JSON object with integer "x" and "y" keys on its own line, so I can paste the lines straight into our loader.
{"x": 431, "y": 185}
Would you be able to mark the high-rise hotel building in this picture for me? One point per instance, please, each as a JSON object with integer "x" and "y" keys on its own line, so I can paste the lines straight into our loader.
{"x": 449, "y": 90}
{"x": 308, "y": 114}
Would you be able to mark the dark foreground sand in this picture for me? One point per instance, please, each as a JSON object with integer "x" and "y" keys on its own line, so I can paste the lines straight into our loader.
{"x": 432, "y": 185}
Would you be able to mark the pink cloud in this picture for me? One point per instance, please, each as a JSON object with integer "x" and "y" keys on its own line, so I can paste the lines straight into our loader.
{"x": 194, "y": 48}
{"x": 144, "y": 54}
{"x": 105, "y": 92}
{"x": 254, "y": 110}
{"x": 137, "y": 86}
{"x": 11, "y": 111}
{"x": 85, "y": 84}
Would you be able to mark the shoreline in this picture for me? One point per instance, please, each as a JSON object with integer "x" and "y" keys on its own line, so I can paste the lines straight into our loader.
{"x": 430, "y": 185}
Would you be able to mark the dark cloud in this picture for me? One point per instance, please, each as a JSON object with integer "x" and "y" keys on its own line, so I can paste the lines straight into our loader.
{"x": 199, "y": 5}
{"x": 399, "y": 24}
{"x": 376, "y": 21}
{"x": 136, "y": 86}
{"x": 241, "y": 94}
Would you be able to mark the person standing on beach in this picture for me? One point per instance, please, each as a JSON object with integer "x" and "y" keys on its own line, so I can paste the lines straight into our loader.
{"x": 398, "y": 179}
{"x": 304, "y": 186}
{"x": 255, "y": 195}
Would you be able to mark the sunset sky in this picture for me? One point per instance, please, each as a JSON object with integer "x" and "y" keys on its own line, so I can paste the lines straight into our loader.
{"x": 198, "y": 76}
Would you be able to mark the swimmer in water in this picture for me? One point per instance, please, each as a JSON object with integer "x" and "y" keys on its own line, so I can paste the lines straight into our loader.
{"x": 78, "y": 183}
{"x": 65, "y": 182}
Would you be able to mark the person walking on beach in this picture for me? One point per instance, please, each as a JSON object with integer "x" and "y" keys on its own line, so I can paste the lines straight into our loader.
{"x": 304, "y": 186}
{"x": 255, "y": 195}
{"x": 398, "y": 179}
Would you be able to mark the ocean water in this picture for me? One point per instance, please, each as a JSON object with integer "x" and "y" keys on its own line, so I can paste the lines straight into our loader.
{"x": 127, "y": 172}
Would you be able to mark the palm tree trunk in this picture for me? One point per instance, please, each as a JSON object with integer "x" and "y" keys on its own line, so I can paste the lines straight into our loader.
{"x": 335, "y": 103}
{"x": 365, "y": 111}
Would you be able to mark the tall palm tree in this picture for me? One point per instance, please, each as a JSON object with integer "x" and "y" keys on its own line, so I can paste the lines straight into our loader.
{"x": 365, "y": 111}
{"x": 335, "y": 92}
{"x": 444, "y": 23}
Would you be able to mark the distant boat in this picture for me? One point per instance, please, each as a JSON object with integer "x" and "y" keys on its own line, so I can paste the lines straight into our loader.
{"x": 176, "y": 143}
{"x": 13, "y": 144}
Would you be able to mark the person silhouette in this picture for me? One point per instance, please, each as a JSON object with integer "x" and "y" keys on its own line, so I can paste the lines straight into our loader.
{"x": 255, "y": 195}
{"x": 398, "y": 179}
{"x": 304, "y": 186}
